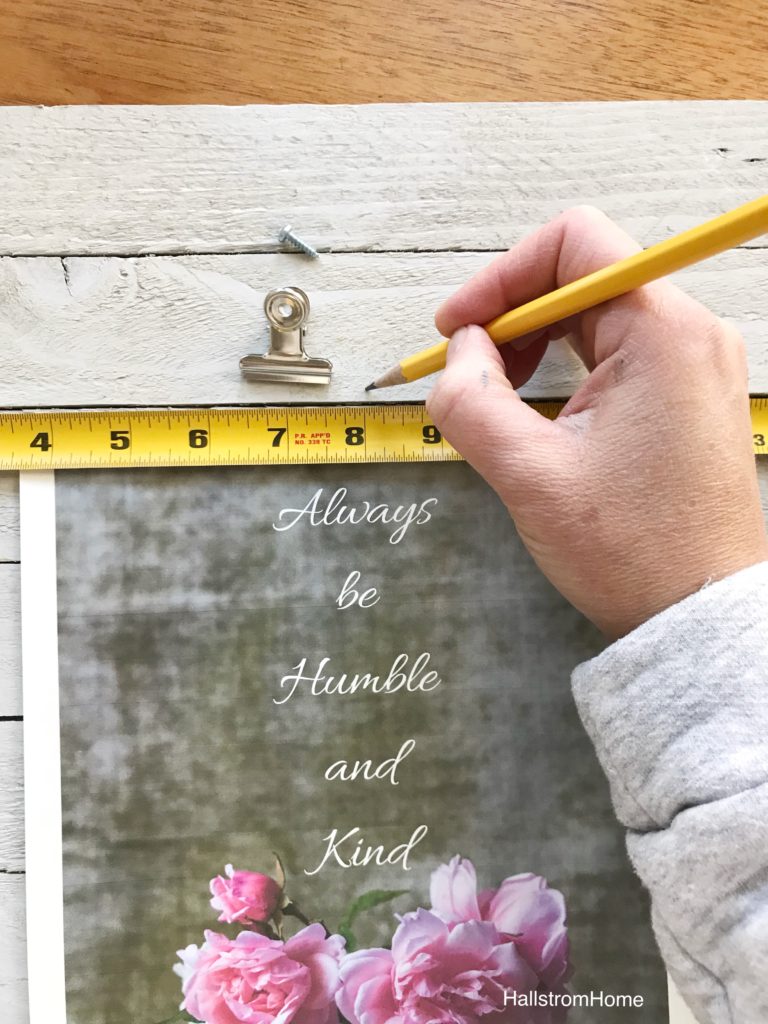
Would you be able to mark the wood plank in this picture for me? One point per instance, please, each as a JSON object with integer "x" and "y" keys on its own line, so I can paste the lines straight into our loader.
{"x": 9, "y": 517}
{"x": 13, "y": 951}
{"x": 171, "y": 330}
{"x": 11, "y": 798}
{"x": 10, "y": 646}
{"x": 342, "y": 51}
{"x": 128, "y": 180}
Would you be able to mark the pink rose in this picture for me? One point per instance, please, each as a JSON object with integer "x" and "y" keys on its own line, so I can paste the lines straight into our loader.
{"x": 523, "y": 909}
{"x": 245, "y": 896}
{"x": 256, "y": 980}
{"x": 460, "y": 962}
{"x": 436, "y": 973}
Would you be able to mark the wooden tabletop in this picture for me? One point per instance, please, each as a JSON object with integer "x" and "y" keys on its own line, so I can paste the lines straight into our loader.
{"x": 353, "y": 51}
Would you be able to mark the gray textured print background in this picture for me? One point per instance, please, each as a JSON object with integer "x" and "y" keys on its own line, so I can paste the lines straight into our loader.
{"x": 180, "y": 609}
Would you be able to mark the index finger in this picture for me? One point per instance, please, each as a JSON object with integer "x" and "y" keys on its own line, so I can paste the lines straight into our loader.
{"x": 576, "y": 243}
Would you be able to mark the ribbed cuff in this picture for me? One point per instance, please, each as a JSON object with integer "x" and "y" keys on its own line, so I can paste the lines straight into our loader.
{"x": 678, "y": 709}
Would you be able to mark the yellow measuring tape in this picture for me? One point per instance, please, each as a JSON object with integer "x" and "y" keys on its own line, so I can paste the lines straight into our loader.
{"x": 238, "y": 436}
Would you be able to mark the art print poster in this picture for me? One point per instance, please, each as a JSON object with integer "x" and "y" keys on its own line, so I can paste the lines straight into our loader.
{"x": 318, "y": 760}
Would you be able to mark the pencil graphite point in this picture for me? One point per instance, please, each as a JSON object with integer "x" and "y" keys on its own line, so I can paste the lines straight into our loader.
{"x": 389, "y": 379}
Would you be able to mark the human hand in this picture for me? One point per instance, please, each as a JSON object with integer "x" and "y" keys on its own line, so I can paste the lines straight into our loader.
{"x": 644, "y": 488}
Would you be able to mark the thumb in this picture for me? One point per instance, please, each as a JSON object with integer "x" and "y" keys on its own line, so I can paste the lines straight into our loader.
{"x": 479, "y": 412}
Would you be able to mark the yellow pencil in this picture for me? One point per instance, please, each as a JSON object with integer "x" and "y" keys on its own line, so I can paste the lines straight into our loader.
{"x": 699, "y": 243}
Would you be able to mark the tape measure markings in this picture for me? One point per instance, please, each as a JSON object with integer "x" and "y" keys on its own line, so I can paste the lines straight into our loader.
{"x": 238, "y": 435}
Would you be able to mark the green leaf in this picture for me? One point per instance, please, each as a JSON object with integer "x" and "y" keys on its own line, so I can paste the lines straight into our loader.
{"x": 367, "y": 901}
{"x": 349, "y": 938}
{"x": 182, "y": 1015}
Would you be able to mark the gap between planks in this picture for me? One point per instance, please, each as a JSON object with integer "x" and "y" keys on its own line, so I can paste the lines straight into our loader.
{"x": 267, "y": 250}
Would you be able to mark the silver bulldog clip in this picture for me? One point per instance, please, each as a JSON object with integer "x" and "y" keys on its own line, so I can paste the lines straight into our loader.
{"x": 286, "y": 362}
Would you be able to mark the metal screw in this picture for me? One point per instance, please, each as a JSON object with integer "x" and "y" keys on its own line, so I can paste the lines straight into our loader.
{"x": 287, "y": 236}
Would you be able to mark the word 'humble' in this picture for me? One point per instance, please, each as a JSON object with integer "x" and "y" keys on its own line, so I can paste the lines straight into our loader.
{"x": 396, "y": 680}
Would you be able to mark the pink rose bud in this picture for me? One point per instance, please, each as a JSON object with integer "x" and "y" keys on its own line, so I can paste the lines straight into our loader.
{"x": 245, "y": 896}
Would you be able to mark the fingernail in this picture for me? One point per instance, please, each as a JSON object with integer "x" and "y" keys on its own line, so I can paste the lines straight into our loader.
{"x": 457, "y": 340}
{"x": 538, "y": 336}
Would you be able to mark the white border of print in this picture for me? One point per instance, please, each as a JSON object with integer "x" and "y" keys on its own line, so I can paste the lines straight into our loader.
{"x": 42, "y": 763}
{"x": 42, "y": 758}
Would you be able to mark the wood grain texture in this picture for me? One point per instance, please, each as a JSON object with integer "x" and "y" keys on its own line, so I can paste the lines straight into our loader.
{"x": 9, "y": 517}
{"x": 10, "y": 642}
{"x": 381, "y": 178}
{"x": 171, "y": 330}
{"x": 174, "y": 51}
{"x": 13, "y": 952}
{"x": 11, "y": 800}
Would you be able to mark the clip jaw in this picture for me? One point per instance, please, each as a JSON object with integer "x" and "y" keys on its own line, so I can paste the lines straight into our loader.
{"x": 286, "y": 362}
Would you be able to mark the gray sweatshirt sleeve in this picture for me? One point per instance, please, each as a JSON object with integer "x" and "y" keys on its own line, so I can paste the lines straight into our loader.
{"x": 678, "y": 713}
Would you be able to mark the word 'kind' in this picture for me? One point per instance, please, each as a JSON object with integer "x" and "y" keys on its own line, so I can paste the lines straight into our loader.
{"x": 363, "y": 854}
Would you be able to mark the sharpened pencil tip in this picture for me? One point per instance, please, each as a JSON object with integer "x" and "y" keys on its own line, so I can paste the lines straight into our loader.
{"x": 393, "y": 376}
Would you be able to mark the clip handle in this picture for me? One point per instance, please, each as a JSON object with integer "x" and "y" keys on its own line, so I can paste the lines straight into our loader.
{"x": 287, "y": 310}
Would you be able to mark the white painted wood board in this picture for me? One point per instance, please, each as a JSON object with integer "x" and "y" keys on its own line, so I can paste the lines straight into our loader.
{"x": 10, "y": 652}
{"x": 405, "y": 203}
{"x": 171, "y": 330}
{"x": 379, "y": 177}
{"x": 13, "y": 949}
{"x": 9, "y": 518}
{"x": 11, "y": 800}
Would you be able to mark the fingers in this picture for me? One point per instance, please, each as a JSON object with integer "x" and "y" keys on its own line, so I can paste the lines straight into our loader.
{"x": 576, "y": 243}
{"x": 477, "y": 409}
{"x": 521, "y": 363}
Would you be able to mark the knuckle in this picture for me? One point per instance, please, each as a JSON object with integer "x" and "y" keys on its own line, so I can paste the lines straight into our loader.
{"x": 710, "y": 344}
{"x": 722, "y": 340}
{"x": 732, "y": 339}
{"x": 730, "y": 352}
{"x": 584, "y": 217}
{"x": 447, "y": 398}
